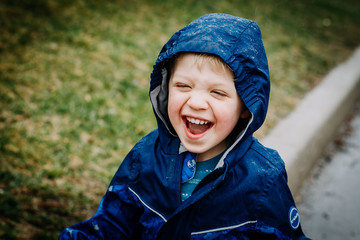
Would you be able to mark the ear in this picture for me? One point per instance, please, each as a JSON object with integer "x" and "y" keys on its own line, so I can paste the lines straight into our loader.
{"x": 245, "y": 113}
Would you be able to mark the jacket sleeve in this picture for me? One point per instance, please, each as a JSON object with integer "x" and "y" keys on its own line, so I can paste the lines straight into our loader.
{"x": 118, "y": 214}
{"x": 277, "y": 212}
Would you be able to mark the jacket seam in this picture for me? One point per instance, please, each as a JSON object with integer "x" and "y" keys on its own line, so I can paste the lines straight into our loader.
{"x": 224, "y": 228}
{"x": 134, "y": 168}
{"x": 270, "y": 182}
{"x": 246, "y": 69}
{"x": 147, "y": 206}
{"x": 250, "y": 86}
{"x": 240, "y": 34}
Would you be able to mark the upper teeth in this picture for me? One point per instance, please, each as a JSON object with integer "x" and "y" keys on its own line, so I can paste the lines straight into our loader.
{"x": 196, "y": 121}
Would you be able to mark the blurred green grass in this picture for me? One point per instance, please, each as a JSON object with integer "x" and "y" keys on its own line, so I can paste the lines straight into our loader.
{"x": 74, "y": 79}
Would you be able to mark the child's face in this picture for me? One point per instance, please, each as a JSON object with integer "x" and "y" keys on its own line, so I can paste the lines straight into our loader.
{"x": 204, "y": 106}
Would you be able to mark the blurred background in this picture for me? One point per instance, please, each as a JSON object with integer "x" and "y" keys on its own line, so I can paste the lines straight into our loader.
{"x": 74, "y": 80}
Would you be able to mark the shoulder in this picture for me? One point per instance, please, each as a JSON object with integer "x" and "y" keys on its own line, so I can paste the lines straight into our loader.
{"x": 262, "y": 160}
{"x": 147, "y": 140}
{"x": 256, "y": 174}
{"x": 268, "y": 168}
{"x": 268, "y": 193}
{"x": 262, "y": 175}
{"x": 144, "y": 146}
{"x": 131, "y": 164}
{"x": 275, "y": 203}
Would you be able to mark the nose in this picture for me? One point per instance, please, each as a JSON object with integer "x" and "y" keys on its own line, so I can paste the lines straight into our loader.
{"x": 198, "y": 101}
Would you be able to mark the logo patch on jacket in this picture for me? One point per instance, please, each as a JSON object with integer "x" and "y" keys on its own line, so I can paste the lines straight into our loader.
{"x": 294, "y": 217}
{"x": 189, "y": 167}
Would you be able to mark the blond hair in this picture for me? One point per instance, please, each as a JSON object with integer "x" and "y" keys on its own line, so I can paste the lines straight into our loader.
{"x": 200, "y": 58}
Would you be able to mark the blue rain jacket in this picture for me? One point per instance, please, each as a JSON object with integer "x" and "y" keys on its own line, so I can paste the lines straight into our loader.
{"x": 245, "y": 197}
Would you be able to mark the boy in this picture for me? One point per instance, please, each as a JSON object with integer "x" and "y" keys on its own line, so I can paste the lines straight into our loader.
{"x": 201, "y": 174}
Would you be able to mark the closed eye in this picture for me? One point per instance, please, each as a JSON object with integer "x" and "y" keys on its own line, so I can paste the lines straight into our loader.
{"x": 219, "y": 93}
{"x": 182, "y": 85}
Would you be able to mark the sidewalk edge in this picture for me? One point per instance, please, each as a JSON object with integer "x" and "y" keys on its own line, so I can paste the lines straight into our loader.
{"x": 301, "y": 137}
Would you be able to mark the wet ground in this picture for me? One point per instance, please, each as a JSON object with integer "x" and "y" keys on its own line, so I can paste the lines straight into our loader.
{"x": 329, "y": 203}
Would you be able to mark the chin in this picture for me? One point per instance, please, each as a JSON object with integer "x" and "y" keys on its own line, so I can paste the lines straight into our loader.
{"x": 195, "y": 149}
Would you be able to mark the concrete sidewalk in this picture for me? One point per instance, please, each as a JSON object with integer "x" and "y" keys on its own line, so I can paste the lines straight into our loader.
{"x": 302, "y": 137}
{"x": 329, "y": 205}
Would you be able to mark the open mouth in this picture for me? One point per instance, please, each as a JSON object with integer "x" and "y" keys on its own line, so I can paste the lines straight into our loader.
{"x": 197, "y": 126}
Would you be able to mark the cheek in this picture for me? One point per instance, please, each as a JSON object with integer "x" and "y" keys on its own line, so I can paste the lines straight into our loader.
{"x": 172, "y": 112}
{"x": 227, "y": 117}
{"x": 173, "y": 107}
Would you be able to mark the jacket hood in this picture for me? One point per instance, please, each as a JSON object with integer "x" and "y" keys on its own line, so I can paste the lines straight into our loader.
{"x": 237, "y": 41}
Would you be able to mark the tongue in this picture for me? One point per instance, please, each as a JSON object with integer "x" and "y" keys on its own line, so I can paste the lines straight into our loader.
{"x": 197, "y": 128}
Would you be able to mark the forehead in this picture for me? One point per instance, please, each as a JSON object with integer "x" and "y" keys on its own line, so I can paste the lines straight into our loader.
{"x": 199, "y": 60}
